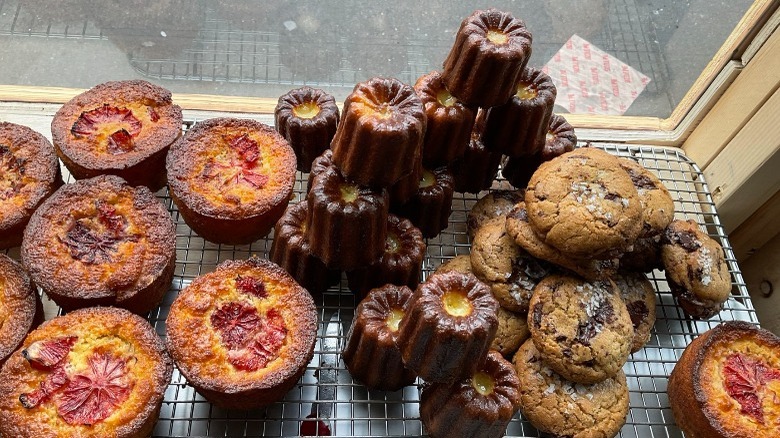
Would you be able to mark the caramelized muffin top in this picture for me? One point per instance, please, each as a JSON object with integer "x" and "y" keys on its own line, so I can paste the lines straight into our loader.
{"x": 98, "y": 237}
{"x": 231, "y": 168}
{"x": 247, "y": 325}
{"x": 17, "y": 306}
{"x": 29, "y": 171}
{"x": 116, "y": 124}
{"x": 98, "y": 372}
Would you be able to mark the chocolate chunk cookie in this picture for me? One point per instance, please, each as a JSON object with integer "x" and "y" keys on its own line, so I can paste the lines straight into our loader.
{"x": 638, "y": 294}
{"x": 582, "y": 330}
{"x": 512, "y": 332}
{"x": 657, "y": 203}
{"x": 461, "y": 263}
{"x": 584, "y": 204}
{"x": 494, "y": 204}
{"x": 500, "y": 263}
{"x": 566, "y": 409}
{"x": 645, "y": 255}
{"x": 695, "y": 268}
{"x": 520, "y": 230}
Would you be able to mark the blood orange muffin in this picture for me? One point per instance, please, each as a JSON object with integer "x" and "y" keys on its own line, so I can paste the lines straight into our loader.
{"x": 449, "y": 327}
{"x": 400, "y": 262}
{"x": 243, "y": 334}
{"x": 347, "y": 224}
{"x": 449, "y": 121}
{"x": 371, "y": 354}
{"x": 231, "y": 179}
{"x": 490, "y": 52}
{"x": 98, "y": 372}
{"x": 477, "y": 168}
{"x": 29, "y": 173}
{"x": 101, "y": 241}
{"x": 380, "y": 133}
{"x": 20, "y": 306}
{"x": 291, "y": 251}
{"x": 121, "y": 128}
{"x": 307, "y": 117}
{"x": 725, "y": 385}
{"x": 430, "y": 208}
{"x": 480, "y": 405}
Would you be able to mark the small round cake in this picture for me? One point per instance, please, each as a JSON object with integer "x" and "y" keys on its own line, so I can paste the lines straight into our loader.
{"x": 449, "y": 121}
{"x": 560, "y": 138}
{"x": 582, "y": 330}
{"x": 292, "y": 252}
{"x": 322, "y": 162}
{"x": 380, "y": 133}
{"x": 231, "y": 179}
{"x": 347, "y": 224}
{"x": 584, "y": 204}
{"x": 29, "y": 173}
{"x": 479, "y": 406}
{"x": 511, "y": 272}
{"x": 725, "y": 385}
{"x": 639, "y": 295}
{"x": 242, "y": 335}
{"x": 121, "y": 128}
{"x": 307, "y": 117}
{"x": 657, "y": 203}
{"x": 405, "y": 188}
{"x": 494, "y": 204}
{"x": 400, "y": 263}
{"x": 100, "y": 242}
{"x": 448, "y": 329}
{"x": 476, "y": 170}
{"x": 98, "y": 372}
{"x": 519, "y": 127}
{"x": 370, "y": 353}
{"x": 490, "y": 52}
{"x": 696, "y": 269}
{"x": 430, "y": 208}
{"x": 518, "y": 227}
{"x": 21, "y": 309}
{"x": 561, "y": 408}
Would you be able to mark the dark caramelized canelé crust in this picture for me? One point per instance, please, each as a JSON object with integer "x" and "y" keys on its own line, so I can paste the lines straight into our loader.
{"x": 400, "y": 263}
{"x": 98, "y": 372}
{"x": 29, "y": 173}
{"x": 406, "y": 187}
{"x": 560, "y": 139}
{"x": 101, "y": 241}
{"x": 449, "y": 327}
{"x": 243, "y": 334}
{"x": 371, "y": 354}
{"x": 307, "y": 117}
{"x": 477, "y": 168}
{"x": 20, "y": 306}
{"x": 429, "y": 209}
{"x": 695, "y": 268}
{"x": 449, "y": 121}
{"x": 480, "y": 405}
{"x": 490, "y": 52}
{"x": 121, "y": 128}
{"x": 291, "y": 251}
{"x": 380, "y": 133}
{"x": 231, "y": 179}
{"x": 322, "y": 162}
{"x": 347, "y": 224}
{"x": 726, "y": 382}
{"x": 519, "y": 127}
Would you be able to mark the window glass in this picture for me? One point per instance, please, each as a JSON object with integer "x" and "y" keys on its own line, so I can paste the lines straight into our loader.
{"x": 606, "y": 56}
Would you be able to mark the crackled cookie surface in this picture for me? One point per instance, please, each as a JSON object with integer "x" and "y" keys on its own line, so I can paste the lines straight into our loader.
{"x": 583, "y": 330}
{"x": 122, "y": 128}
{"x": 243, "y": 334}
{"x": 101, "y": 241}
{"x": 584, "y": 204}
{"x": 98, "y": 372}
{"x": 563, "y": 408}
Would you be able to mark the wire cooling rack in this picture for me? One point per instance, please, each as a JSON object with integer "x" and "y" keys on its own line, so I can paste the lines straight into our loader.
{"x": 353, "y": 410}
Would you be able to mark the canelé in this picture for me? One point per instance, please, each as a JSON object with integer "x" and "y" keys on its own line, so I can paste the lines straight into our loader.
{"x": 307, "y": 117}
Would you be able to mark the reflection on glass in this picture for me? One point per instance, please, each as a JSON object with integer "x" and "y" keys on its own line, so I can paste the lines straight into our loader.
{"x": 264, "y": 48}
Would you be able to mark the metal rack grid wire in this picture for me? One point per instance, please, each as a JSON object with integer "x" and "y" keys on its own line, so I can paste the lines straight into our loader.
{"x": 353, "y": 410}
